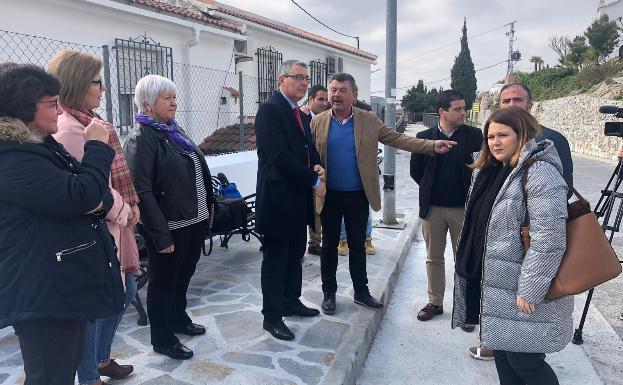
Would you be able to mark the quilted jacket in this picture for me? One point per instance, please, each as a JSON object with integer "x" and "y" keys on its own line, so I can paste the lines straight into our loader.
{"x": 508, "y": 271}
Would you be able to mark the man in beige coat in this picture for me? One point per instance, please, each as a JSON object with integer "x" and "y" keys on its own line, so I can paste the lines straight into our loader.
{"x": 347, "y": 140}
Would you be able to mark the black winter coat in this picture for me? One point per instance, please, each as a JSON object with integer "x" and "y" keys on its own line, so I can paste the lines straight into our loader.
{"x": 165, "y": 181}
{"x": 55, "y": 261}
{"x": 284, "y": 201}
{"x": 423, "y": 166}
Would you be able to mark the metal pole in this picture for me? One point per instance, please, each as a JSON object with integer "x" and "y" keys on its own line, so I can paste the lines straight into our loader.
{"x": 241, "y": 111}
{"x": 511, "y": 38}
{"x": 389, "y": 153}
{"x": 108, "y": 92}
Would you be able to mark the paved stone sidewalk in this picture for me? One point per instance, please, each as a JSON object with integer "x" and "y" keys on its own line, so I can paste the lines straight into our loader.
{"x": 225, "y": 296}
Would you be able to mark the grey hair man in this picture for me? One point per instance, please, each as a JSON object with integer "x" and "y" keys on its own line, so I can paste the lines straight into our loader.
{"x": 289, "y": 173}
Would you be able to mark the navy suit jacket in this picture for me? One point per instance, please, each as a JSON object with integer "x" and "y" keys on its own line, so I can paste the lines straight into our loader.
{"x": 284, "y": 201}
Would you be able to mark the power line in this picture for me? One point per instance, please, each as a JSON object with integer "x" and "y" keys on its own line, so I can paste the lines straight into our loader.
{"x": 455, "y": 43}
{"x": 338, "y": 32}
{"x": 441, "y": 80}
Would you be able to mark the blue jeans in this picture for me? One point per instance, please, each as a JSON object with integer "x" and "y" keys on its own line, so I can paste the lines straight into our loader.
{"x": 98, "y": 337}
{"x": 368, "y": 229}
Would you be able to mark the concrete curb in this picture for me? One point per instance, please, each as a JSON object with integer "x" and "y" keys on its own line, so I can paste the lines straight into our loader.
{"x": 353, "y": 351}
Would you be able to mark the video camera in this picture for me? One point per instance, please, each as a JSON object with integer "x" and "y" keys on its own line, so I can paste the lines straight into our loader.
{"x": 613, "y": 128}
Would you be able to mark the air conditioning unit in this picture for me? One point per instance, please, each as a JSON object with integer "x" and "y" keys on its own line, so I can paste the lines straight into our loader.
{"x": 240, "y": 47}
{"x": 335, "y": 64}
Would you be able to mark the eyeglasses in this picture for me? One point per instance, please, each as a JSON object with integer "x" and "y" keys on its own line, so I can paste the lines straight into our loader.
{"x": 99, "y": 83}
{"x": 298, "y": 77}
{"x": 51, "y": 103}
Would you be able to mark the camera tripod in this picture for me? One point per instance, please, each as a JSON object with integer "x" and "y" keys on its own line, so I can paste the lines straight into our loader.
{"x": 610, "y": 197}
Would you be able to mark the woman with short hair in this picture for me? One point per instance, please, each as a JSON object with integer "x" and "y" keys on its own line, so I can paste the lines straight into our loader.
{"x": 81, "y": 92}
{"x": 498, "y": 284}
{"x": 174, "y": 185}
{"x": 58, "y": 266}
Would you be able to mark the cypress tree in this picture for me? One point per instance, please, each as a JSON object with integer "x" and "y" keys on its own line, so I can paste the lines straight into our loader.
{"x": 463, "y": 74}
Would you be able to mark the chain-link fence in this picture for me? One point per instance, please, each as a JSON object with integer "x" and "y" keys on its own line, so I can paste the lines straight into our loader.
{"x": 208, "y": 99}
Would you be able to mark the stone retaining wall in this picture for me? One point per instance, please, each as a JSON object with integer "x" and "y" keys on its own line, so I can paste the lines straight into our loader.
{"x": 578, "y": 118}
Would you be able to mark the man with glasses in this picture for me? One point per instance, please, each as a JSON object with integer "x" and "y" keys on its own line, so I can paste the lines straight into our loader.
{"x": 288, "y": 174}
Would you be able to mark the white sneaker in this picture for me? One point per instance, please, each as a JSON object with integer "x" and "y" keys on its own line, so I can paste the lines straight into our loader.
{"x": 481, "y": 354}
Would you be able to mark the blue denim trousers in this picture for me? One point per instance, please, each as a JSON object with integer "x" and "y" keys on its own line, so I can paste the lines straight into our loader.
{"x": 98, "y": 337}
{"x": 368, "y": 229}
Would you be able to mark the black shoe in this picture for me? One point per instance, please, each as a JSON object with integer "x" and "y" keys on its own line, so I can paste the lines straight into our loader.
{"x": 191, "y": 330}
{"x": 313, "y": 249}
{"x": 468, "y": 328}
{"x": 328, "y": 304}
{"x": 177, "y": 351}
{"x": 300, "y": 310}
{"x": 429, "y": 311}
{"x": 368, "y": 301}
{"x": 279, "y": 330}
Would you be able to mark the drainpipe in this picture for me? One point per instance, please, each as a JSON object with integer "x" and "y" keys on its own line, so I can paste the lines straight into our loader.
{"x": 186, "y": 86}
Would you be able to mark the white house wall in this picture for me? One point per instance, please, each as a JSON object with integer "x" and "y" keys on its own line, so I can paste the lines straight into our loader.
{"x": 200, "y": 87}
{"x": 79, "y": 22}
{"x": 295, "y": 48}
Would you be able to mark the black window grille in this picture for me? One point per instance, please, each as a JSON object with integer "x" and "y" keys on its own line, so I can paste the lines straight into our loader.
{"x": 268, "y": 63}
{"x": 317, "y": 73}
{"x": 138, "y": 57}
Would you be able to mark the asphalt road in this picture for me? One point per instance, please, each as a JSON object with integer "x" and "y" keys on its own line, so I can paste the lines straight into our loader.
{"x": 407, "y": 351}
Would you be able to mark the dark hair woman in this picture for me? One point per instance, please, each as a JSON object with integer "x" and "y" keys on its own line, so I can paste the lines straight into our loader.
{"x": 58, "y": 266}
{"x": 173, "y": 182}
{"x": 497, "y": 283}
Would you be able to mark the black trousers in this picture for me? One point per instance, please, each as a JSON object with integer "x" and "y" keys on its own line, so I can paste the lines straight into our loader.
{"x": 282, "y": 273}
{"x": 524, "y": 369}
{"x": 169, "y": 276}
{"x": 51, "y": 349}
{"x": 354, "y": 207}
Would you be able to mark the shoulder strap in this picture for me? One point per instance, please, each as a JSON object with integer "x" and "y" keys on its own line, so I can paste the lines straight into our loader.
{"x": 524, "y": 180}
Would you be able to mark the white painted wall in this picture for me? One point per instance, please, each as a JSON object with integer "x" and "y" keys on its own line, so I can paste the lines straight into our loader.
{"x": 200, "y": 87}
{"x": 240, "y": 168}
{"x": 614, "y": 9}
{"x": 295, "y": 48}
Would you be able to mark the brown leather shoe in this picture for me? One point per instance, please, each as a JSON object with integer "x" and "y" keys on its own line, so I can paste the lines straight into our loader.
{"x": 116, "y": 371}
{"x": 429, "y": 311}
{"x": 468, "y": 328}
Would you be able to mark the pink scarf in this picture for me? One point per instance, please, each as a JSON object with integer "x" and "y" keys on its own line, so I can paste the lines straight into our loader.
{"x": 121, "y": 181}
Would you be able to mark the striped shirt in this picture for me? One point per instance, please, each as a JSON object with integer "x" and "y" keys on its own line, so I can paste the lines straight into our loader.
{"x": 202, "y": 205}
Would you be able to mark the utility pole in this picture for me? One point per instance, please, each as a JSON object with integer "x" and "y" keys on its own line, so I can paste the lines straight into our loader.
{"x": 512, "y": 55}
{"x": 389, "y": 153}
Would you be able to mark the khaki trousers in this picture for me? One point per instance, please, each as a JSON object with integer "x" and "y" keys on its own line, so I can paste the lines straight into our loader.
{"x": 435, "y": 228}
{"x": 315, "y": 237}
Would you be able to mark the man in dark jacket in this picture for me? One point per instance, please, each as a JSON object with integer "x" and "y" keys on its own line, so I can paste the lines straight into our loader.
{"x": 444, "y": 180}
{"x": 518, "y": 95}
{"x": 288, "y": 173}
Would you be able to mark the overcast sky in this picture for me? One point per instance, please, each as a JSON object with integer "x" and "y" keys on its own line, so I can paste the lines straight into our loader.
{"x": 424, "y": 26}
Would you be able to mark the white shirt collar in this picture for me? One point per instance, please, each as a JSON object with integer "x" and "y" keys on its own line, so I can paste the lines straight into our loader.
{"x": 342, "y": 121}
{"x": 290, "y": 102}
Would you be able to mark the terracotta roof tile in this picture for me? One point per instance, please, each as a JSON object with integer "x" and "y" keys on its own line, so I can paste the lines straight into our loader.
{"x": 254, "y": 18}
{"x": 227, "y": 139}
{"x": 191, "y": 13}
{"x": 194, "y": 13}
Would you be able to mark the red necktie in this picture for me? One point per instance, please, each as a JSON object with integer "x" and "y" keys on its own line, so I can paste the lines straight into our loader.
{"x": 297, "y": 112}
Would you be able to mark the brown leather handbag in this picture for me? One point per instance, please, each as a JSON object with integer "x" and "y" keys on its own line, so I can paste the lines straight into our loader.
{"x": 589, "y": 260}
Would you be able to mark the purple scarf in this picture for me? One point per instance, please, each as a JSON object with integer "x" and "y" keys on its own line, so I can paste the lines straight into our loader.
{"x": 172, "y": 130}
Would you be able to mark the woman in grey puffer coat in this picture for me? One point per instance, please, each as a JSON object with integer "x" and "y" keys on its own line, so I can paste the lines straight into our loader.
{"x": 497, "y": 283}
